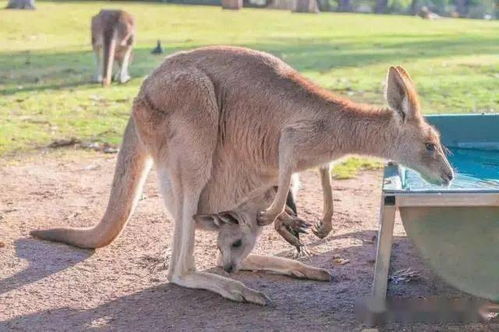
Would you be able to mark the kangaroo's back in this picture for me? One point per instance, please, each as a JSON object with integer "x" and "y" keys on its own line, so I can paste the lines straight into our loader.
{"x": 109, "y": 19}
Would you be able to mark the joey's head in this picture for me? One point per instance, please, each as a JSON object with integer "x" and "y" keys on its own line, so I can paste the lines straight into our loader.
{"x": 417, "y": 144}
{"x": 237, "y": 233}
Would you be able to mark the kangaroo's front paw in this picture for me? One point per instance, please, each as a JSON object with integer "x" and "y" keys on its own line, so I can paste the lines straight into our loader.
{"x": 266, "y": 218}
{"x": 321, "y": 229}
{"x": 245, "y": 294}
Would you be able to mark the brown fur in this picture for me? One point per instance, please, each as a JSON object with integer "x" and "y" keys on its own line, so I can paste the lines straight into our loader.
{"x": 224, "y": 125}
{"x": 113, "y": 36}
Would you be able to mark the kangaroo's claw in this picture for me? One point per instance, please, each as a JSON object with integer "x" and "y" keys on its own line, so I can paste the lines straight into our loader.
{"x": 322, "y": 229}
{"x": 303, "y": 252}
{"x": 296, "y": 225}
{"x": 290, "y": 237}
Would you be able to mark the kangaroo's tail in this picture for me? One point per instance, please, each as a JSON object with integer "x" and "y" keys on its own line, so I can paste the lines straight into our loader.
{"x": 110, "y": 35}
{"x": 131, "y": 169}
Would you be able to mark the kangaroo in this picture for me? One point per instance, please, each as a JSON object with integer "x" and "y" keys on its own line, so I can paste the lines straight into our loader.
{"x": 223, "y": 123}
{"x": 237, "y": 229}
{"x": 113, "y": 34}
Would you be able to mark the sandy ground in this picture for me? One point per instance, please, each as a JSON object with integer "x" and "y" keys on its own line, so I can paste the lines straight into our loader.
{"x": 47, "y": 286}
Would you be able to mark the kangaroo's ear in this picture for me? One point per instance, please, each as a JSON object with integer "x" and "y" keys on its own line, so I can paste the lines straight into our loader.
{"x": 401, "y": 94}
{"x": 229, "y": 217}
{"x": 213, "y": 222}
{"x": 207, "y": 222}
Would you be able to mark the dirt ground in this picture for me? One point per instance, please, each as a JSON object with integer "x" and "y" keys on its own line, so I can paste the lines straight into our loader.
{"x": 46, "y": 286}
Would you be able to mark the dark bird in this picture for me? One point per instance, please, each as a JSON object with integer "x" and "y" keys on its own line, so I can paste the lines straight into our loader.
{"x": 158, "y": 49}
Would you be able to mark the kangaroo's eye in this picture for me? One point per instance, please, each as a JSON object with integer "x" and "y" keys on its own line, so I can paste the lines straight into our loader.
{"x": 430, "y": 147}
{"x": 237, "y": 244}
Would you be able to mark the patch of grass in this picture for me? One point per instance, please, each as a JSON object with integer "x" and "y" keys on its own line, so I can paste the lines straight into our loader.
{"x": 46, "y": 65}
{"x": 350, "y": 167}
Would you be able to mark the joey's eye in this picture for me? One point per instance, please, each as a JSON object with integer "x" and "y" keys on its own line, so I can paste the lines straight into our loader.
{"x": 237, "y": 244}
{"x": 430, "y": 147}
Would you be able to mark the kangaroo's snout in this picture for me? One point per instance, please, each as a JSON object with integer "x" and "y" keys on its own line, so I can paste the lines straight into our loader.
{"x": 447, "y": 176}
{"x": 229, "y": 268}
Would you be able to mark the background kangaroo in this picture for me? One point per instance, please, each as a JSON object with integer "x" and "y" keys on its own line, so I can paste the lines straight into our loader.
{"x": 224, "y": 123}
{"x": 113, "y": 34}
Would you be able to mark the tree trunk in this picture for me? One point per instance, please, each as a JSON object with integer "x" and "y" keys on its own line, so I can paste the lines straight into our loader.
{"x": 232, "y": 4}
{"x": 345, "y": 6}
{"x": 21, "y": 4}
{"x": 381, "y": 6}
{"x": 462, "y": 7}
{"x": 306, "y": 6}
{"x": 414, "y": 7}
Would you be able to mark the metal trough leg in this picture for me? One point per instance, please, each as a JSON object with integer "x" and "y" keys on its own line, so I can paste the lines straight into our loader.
{"x": 384, "y": 249}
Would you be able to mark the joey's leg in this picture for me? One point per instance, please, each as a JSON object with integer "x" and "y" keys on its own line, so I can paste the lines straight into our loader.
{"x": 284, "y": 266}
{"x": 289, "y": 226}
{"x": 290, "y": 235}
{"x": 324, "y": 227}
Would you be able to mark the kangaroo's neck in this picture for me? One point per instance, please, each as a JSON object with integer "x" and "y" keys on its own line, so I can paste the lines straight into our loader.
{"x": 366, "y": 130}
{"x": 352, "y": 128}
{"x": 359, "y": 129}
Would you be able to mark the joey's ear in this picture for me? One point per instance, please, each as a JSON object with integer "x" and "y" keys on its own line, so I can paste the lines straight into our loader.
{"x": 213, "y": 222}
{"x": 229, "y": 217}
{"x": 208, "y": 222}
{"x": 401, "y": 94}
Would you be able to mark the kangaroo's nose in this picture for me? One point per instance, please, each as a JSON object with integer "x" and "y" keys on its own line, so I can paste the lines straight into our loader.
{"x": 448, "y": 176}
{"x": 229, "y": 268}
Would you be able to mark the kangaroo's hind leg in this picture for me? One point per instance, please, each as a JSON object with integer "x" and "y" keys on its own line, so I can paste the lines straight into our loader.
{"x": 122, "y": 75}
{"x": 177, "y": 116}
{"x": 188, "y": 181}
{"x": 99, "y": 64}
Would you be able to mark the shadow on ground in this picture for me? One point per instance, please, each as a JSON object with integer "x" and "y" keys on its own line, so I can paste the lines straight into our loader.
{"x": 297, "y": 304}
{"x": 36, "y": 253}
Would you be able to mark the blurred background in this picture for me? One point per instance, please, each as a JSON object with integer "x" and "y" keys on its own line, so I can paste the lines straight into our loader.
{"x": 47, "y": 63}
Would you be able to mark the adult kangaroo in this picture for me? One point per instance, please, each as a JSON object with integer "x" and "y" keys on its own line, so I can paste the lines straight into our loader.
{"x": 226, "y": 124}
{"x": 113, "y": 34}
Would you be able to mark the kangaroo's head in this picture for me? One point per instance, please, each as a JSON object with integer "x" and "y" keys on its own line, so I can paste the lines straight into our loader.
{"x": 237, "y": 229}
{"x": 237, "y": 232}
{"x": 417, "y": 144}
{"x": 236, "y": 236}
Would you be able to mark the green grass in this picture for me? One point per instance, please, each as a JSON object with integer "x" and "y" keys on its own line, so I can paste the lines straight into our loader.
{"x": 350, "y": 168}
{"x": 46, "y": 61}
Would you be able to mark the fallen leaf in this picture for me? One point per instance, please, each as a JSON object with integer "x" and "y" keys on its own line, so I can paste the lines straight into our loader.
{"x": 340, "y": 261}
{"x": 64, "y": 142}
{"x": 404, "y": 275}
